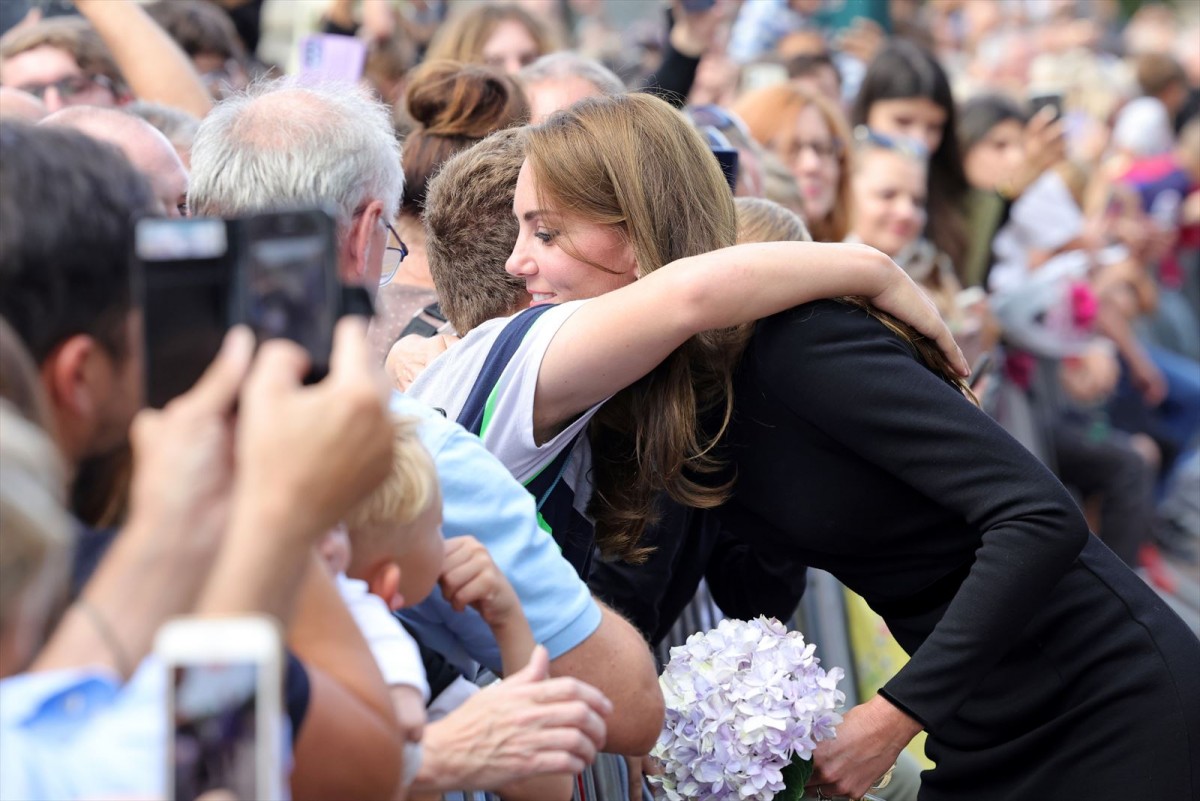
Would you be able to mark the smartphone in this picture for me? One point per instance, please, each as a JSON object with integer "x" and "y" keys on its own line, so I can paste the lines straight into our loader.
{"x": 276, "y": 272}
{"x": 980, "y": 370}
{"x": 186, "y": 275}
{"x": 286, "y": 281}
{"x": 1041, "y": 100}
{"x": 224, "y": 706}
{"x": 763, "y": 74}
{"x": 330, "y": 57}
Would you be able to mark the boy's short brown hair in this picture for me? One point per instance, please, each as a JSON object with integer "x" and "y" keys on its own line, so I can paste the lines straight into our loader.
{"x": 470, "y": 231}
{"x": 402, "y": 497}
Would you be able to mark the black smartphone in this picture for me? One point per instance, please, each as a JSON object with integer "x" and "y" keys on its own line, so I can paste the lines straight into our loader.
{"x": 187, "y": 281}
{"x": 1042, "y": 100}
{"x": 275, "y": 272}
{"x": 287, "y": 285}
{"x": 981, "y": 369}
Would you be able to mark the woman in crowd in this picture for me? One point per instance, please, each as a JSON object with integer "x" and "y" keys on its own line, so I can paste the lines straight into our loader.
{"x": 1041, "y": 667}
{"x": 890, "y": 214}
{"x": 501, "y": 35}
{"x": 1004, "y": 152}
{"x": 453, "y": 106}
{"x": 809, "y": 135}
{"x": 906, "y": 93}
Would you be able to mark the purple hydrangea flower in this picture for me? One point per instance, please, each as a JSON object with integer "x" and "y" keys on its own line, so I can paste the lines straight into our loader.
{"x": 743, "y": 701}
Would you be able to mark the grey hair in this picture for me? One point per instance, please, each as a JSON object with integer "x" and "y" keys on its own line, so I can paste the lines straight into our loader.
{"x": 176, "y": 124}
{"x": 556, "y": 66}
{"x": 286, "y": 143}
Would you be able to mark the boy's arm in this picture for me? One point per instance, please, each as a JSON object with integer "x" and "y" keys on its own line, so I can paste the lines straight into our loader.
{"x": 471, "y": 578}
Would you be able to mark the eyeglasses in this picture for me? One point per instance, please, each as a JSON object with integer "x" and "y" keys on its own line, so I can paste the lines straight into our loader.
{"x": 864, "y": 136}
{"x": 69, "y": 86}
{"x": 825, "y": 151}
{"x": 396, "y": 252}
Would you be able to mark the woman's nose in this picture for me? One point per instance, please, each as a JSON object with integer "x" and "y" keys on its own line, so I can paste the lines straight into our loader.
{"x": 518, "y": 263}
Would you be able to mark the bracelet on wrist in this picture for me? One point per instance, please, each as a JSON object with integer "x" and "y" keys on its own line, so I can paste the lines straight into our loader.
{"x": 118, "y": 653}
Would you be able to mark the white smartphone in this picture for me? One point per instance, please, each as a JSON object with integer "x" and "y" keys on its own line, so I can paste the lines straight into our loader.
{"x": 225, "y": 707}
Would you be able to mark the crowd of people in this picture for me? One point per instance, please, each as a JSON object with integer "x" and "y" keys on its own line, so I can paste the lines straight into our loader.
{"x": 666, "y": 297}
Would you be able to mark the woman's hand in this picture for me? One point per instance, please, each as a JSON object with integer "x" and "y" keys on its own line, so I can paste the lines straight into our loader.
{"x": 906, "y": 301}
{"x": 871, "y": 737}
{"x": 1045, "y": 146}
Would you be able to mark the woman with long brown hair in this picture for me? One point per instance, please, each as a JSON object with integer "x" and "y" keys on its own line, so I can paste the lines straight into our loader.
{"x": 576, "y": 356}
{"x": 1040, "y": 666}
{"x": 809, "y": 134}
{"x": 501, "y": 35}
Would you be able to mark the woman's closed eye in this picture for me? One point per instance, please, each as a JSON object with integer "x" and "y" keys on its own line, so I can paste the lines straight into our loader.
{"x": 545, "y": 236}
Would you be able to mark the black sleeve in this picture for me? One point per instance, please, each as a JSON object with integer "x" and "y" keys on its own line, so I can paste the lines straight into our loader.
{"x": 747, "y": 581}
{"x": 329, "y": 26}
{"x": 673, "y": 79}
{"x": 653, "y": 594}
{"x": 296, "y": 692}
{"x": 847, "y": 375}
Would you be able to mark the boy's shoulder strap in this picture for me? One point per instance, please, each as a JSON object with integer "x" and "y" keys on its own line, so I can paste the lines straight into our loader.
{"x": 501, "y": 353}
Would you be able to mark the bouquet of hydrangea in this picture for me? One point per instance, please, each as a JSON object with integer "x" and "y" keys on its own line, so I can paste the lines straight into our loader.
{"x": 746, "y": 705}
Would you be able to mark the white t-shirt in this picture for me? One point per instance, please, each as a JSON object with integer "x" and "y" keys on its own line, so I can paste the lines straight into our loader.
{"x": 508, "y": 425}
{"x": 394, "y": 649}
{"x": 1045, "y": 217}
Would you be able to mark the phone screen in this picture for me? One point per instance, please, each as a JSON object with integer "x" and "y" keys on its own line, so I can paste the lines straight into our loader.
{"x": 186, "y": 279}
{"x": 288, "y": 285}
{"x": 215, "y": 729}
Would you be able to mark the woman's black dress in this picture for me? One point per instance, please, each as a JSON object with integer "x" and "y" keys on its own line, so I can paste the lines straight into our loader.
{"x": 1041, "y": 666}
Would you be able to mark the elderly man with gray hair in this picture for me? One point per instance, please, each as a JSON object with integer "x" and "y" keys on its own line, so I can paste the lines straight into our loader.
{"x": 557, "y": 80}
{"x": 289, "y": 144}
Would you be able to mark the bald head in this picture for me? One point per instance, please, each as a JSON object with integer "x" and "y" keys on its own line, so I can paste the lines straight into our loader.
{"x": 18, "y": 105}
{"x": 145, "y": 146}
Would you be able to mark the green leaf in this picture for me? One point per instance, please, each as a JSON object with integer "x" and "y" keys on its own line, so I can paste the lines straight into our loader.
{"x": 795, "y": 776}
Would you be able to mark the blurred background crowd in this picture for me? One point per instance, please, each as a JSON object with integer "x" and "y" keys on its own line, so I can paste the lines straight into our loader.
{"x": 1033, "y": 164}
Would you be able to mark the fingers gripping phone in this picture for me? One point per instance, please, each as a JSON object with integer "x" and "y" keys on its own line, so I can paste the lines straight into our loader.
{"x": 275, "y": 272}
{"x": 225, "y": 708}
{"x": 1041, "y": 100}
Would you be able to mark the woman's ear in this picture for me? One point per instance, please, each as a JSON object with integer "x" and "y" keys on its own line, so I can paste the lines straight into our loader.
{"x": 384, "y": 581}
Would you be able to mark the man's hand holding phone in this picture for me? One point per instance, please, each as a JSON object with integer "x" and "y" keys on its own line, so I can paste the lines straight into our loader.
{"x": 306, "y": 454}
{"x": 183, "y": 455}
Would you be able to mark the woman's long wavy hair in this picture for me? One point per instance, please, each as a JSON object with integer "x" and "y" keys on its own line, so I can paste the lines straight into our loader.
{"x": 905, "y": 70}
{"x": 634, "y": 163}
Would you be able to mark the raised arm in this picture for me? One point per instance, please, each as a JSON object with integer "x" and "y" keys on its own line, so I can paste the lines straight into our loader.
{"x": 615, "y": 339}
{"x": 155, "y": 67}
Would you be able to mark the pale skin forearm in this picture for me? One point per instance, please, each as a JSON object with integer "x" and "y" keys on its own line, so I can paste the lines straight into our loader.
{"x": 360, "y": 723}
{"x": 155, "y": 67}
{"x": 617, "y": 338}
{"x": 143, "y": 580}
{"x": 515, "y": 639}
{"x": 617, "y": 661}
{"x": 261, "y": 564}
